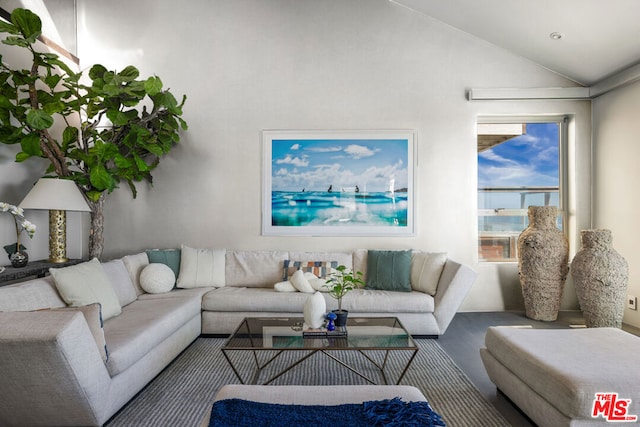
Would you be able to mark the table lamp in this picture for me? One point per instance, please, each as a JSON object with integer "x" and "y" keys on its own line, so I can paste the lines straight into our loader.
{"x": 57, "y": 196}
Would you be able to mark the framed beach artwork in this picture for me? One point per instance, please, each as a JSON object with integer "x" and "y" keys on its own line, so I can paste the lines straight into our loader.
{"x": 338, "y": 183}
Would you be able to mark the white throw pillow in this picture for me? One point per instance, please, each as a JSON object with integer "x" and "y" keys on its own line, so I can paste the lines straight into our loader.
{"x": 118, "y": 275}
{"x": 201, "y": 267}
{"x": 426, "y": 269}
{"x": 135, "y": 264}
{"x": 285, "y": 286}
{"x": 157, "y": 278}
{"x": 319, "y": 284}
{"x": 87, "y": 283}
{"x": 300, "y": 282}
{"x": 93, "y": 317}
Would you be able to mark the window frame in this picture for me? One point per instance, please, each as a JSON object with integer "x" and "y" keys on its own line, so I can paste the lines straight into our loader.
{"x": 562, "y": 120}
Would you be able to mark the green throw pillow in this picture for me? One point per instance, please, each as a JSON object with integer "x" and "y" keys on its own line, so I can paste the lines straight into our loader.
{"x": 169, "y": 257}
{"x": 389, "y": 270}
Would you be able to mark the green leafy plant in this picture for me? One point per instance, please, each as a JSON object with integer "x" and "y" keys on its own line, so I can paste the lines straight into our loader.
{"x": 112, "y": 128}
{"x": 342, "y": 281}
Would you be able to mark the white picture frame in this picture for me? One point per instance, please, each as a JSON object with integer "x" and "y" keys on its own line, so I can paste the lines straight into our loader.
{"x": 338, "y": 183}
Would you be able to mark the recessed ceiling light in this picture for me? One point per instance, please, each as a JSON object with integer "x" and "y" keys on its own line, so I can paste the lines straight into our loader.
{"x": 556, "y": 35}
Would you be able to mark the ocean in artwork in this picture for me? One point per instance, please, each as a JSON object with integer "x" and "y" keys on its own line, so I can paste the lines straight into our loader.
{"x": 339, "y": 208}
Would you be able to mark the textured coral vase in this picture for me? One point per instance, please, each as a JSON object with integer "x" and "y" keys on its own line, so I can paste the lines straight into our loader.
{"x": 600, "y": 276}
{"x": 543, "y": 254}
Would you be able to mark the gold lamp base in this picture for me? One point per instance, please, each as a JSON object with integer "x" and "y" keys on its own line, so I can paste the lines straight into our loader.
{"x": 58, "y": 236}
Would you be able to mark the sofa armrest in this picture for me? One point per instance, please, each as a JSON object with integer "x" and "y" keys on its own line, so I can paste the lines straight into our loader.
{"x": 52, "y": 372}
{"x": 455, "y": 282}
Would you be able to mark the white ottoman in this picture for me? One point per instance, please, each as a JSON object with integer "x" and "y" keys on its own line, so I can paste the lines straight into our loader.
{"x": 553, "y": 375}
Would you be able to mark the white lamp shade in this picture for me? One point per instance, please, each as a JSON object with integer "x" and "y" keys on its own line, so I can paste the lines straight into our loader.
{"x": 55, "y": 194}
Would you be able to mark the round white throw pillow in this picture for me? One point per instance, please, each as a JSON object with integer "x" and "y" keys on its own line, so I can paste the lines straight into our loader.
{"x": 157, "y": 278}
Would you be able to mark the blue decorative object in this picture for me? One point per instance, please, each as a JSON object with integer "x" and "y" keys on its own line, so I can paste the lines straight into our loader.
{"x": 330, "y": 319}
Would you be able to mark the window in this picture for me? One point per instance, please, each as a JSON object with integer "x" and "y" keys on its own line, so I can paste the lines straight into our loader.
{"x": 519, "y": 165}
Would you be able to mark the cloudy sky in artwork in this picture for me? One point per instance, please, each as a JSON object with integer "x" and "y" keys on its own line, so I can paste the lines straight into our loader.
{"x": 315, "y": 164}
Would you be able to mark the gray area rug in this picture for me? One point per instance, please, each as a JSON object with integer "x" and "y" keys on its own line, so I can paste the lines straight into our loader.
{"x": 183, "y": 393}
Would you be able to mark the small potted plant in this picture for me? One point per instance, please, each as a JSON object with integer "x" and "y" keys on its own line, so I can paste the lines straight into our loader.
{"x": 339, "y": 284}
{"x": 17, "y": 252}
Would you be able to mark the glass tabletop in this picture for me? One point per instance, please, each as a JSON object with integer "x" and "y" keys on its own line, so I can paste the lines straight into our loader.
{"x": 282, "y": 333}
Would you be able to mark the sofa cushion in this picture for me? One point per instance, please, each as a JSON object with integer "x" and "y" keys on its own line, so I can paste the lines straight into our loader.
{"x": 143, "y": 325}
{"x": 360, "y": 300}
{"x": 178, "y": 293}
{"x": 135, "y": 263}
{"x": 380, "y": 301}
{"x": 343, "y": 258}
{"x": 201, "y": 267}
{"x": 34, "y": 294}
{"x": 389, "y": 270}
{"x": 426, "y": 269}
{"x": 86, "y": 283}
{"x": 254, "y": 268}
{"x": 120, "y": 279}
{"x": 233, "y": 298}
{"x": 169, "y": 257}
{"x": 360, "y": 262}
{"x": 157, "y": 278}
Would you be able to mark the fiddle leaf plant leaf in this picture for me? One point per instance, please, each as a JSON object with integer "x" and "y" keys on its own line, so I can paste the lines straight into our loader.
{"x": 28, "y": 23}
{"x": 153, "y": 86}
{"x": 7, "y": 27}
{"x": 31, "y": 144}
{"x": 97, "y": 72}
{"x": 129, "y": 73}
{"x": 101, "y": 179}
{"x": 39, "y": 119}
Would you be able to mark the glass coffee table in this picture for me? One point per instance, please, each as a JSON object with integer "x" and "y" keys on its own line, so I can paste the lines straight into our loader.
{"x": 274, "y": 336}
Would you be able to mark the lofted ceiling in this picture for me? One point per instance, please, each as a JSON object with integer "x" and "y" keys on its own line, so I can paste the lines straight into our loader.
{"x": 599, "y": 37}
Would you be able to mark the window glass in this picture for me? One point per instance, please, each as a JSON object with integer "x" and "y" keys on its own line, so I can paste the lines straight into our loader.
{"x": 519, "y": 165}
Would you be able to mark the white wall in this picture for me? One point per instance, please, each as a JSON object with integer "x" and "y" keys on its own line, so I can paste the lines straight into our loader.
{"x": 250, "y": 65}
{"x": 616, "y": 176}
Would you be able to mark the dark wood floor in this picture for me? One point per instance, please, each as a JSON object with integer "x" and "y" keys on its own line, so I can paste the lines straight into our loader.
{"x": 465, "y": 337}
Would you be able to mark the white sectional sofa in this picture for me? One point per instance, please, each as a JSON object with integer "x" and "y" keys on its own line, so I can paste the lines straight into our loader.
{"x": 53, "y": 363}
{"x": 250, "y": 277}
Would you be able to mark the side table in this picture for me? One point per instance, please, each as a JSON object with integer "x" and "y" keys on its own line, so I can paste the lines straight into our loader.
{"x": 33, "y": 268}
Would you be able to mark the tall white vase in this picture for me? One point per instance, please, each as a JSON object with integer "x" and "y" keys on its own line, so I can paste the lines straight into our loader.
{"x": 600, "y": 276}
{"x": 314, "y": 310}
{"x": 543, "y": 255}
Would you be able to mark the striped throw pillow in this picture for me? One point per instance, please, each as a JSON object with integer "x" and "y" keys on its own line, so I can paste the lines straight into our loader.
{"x": 320, "y": 269}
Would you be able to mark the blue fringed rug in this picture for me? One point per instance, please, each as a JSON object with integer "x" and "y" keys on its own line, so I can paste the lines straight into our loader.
{"x": 183, "y": 393}
{"x": 388, "y": 413}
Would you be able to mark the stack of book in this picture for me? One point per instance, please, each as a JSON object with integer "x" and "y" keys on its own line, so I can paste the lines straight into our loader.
{"x": 324, "y": 333}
